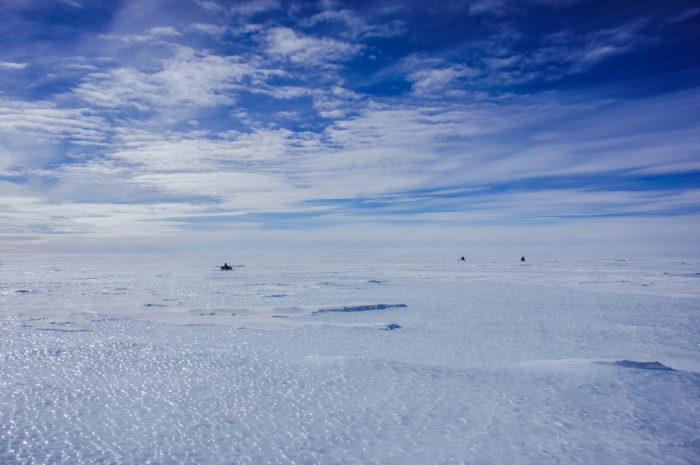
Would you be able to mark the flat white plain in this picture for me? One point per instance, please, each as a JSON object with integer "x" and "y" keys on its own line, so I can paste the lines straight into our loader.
{"x": 336, "y": 359}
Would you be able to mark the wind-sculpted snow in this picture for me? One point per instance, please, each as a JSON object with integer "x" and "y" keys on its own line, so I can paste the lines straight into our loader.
{"x": 131, "y": 360}
{"x": 642, "y": 365}
{"x": 360, "y": 308}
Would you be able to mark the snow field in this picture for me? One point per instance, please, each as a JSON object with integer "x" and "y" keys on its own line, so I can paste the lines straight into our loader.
{"x": 128, "y": 365}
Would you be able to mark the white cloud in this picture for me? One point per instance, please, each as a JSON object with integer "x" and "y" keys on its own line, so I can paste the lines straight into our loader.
{"x": 688, "y": 14}
{"x": 164, "y": 31}
{"x": 244, "y": 172}
{"x": 601, "y": 52}
{"x": 73, "y": 3}
{"x": 603, "y": 44}
{"x": 12, "y": 65}
{"x": 554, "y": 204}
{"x": 385, "y": 151}
{"x": 235, "y": 192}
{"x": 37, "y": 215}
{"x": 337, "y": 102}
{"x": 496, "y": 7}
{"x": 559, "y": 54}
{"x": 210, "y": 6}
{"x": 504, "y": 7}
{"x": 438, "y": 81}
{"x": 45, "y": 118}
{"x": 33, "y": 133}
{"x": 155, "y": 35}
{"x": 153, "y": 152}
{"x": 473, "y": 145}
{"x": 356, "y": 27}
{"x": 405, "y": 127}
{"x": 205, "y": 28}
{"x": 306, "y": 50}
{"x": 252, "y": 7}
{"x": 188, "y": 78}
{"x": 668, "y": 168}
{"x": 451, "y": 161}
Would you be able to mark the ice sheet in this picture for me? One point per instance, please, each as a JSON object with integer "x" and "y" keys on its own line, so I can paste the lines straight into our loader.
{"x": 168, "y": 359}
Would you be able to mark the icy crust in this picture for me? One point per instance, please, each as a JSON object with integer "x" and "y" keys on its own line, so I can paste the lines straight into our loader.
{"x": 131, "y": 392}
{"x": 67, "y": 292}
{"x": 62, "y": 290}
{"x": 47, "y": 314}
{"x": 635, "y": 364}
{"x": 645, "y": 276}
{"x": 115, "y": 360}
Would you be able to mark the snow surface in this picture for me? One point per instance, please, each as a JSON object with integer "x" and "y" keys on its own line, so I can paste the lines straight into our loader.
{"x": 116, "y": 359}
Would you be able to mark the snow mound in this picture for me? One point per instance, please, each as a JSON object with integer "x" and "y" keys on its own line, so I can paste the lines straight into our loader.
{"x": 639, "y": 365}
{"x": 654, "y": 366}
{"x": 360, "y": 308}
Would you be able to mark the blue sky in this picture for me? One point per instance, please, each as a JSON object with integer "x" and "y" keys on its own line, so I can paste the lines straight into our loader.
{"x": 479, "y": 126}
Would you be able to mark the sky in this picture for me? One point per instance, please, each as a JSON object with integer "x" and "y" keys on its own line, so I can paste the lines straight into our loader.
{"x": 470, "y": 126}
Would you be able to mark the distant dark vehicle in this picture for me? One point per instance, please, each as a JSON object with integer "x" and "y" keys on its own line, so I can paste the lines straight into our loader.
{"x": 462, "y": 259}
{"x": 522, "y": 259}
{"x": 226, "y": 266}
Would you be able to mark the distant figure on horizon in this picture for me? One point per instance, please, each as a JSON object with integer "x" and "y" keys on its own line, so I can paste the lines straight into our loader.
{"x": 522, "y": 259}
{"x": 462, "y": 259}
{"x": 226, "y": 266}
